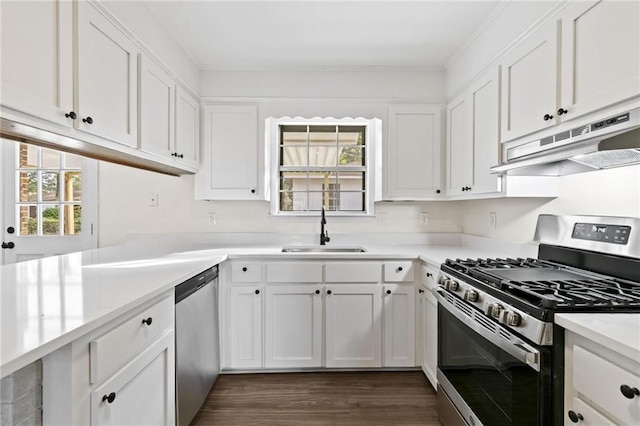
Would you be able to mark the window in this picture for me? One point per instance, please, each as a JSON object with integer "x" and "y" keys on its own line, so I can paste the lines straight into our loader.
{"x": 49, "y": 198}
{"x": 322, "y": 163}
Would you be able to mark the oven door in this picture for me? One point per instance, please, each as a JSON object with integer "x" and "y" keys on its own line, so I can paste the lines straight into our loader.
{"x": 490, "y": 375}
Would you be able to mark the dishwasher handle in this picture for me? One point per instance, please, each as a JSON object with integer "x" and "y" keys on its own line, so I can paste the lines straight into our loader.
{"x": 195, "y": 283}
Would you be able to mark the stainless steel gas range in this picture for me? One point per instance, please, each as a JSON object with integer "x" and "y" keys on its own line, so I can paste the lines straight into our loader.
{"x": 500, "y": 355}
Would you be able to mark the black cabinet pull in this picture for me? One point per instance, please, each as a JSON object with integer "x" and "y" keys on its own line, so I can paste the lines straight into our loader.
{"x": 420, "y": 291}
{"x": 562, "y": 111}
{"x": 11, "y": 230}
{"x": 547, "y": 117}
{"x": 109, "y": 398}
{"x": 429, "y": 274}
{"x": 8, "y": 245}
{"x": 575, "y": 417}
{"x": 147, "y": 321}
{"x": 174, "y": 154}
{"x": 72, "y": 115}
{"x": 244, "y": 269}
{"x": 399, "y": 269}
{"x": 629, "y": 392}
{"x": 253, "y": 191}
{"x": 328, "y": 291}
{"x": 87, "y": 120}
{"x": 257, "y": 292}
{"x": 181, "y": 155}
{"x": 464, "y": 189}
{"x": 437, "y": 191}
{"x": 388, "y": 291}
{"x": 317, "y": 291}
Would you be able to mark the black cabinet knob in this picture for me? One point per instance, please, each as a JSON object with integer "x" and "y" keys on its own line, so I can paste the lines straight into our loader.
{"x": 420, "y": 291}
{"x": 181, "y": 155}
{"x": 244, "y": 269}
{"x": 8, "y": 245}
{"x": 429, "y": 274}
{"x": 11, "y": 230}
{"x": 253, "y": 191}
{"x": 629, "y": 392}
{"x": 317, "y": 291}
{"x": 547, "y": 117}
{"x": 437, "y": 191}
{"x": 328, "y": 291}
{"x": 399, "y": 269}
{"x": 109, "y": 398}
{"x": 257, "y": 291}
{"x": 388, "y": 291}
{"x": 562, "y": 111}
{"x": 147, "y": 321}
{"x": 174, "y": 154}
{"x": 575, "y": 417}
{"x": 463, "y": 188}
{"x": 87, "y": 120}
{"x": 72, "y": 115}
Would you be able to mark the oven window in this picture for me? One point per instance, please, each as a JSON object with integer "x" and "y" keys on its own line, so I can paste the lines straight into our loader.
{"x": 499, "y": 389}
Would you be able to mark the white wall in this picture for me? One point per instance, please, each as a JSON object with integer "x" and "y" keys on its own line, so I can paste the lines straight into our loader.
{"x": 614, "y": 192}
{"x": 139, "y": 20}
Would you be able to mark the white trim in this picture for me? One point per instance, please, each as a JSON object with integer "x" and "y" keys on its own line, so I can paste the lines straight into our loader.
{"x": 362, "y": 68}
{"x": 273, "y": 99}
{"x": 272, "y": 135}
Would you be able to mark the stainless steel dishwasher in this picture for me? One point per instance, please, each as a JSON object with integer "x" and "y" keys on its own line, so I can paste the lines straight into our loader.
{"x": 197, "y": 342}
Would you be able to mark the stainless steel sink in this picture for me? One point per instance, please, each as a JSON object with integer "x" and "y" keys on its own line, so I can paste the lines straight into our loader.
{"x": 322, "y": 249}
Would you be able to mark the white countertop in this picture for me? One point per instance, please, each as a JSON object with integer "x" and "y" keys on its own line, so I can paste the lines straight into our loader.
{"x": 618, "y": 332}
{"x": 48, "y": 303}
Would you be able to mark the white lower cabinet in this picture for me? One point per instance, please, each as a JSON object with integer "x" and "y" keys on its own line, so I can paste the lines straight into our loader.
{"x": 353, "y": 325}
{"x": 293, "y": 326}
{"x": 245, "y": 324}
{"x": 141, "y": 393}
{"x": 399, "y": 325}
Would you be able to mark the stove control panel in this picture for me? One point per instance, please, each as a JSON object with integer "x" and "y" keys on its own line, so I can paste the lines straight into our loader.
{"x": 614, "y": 234}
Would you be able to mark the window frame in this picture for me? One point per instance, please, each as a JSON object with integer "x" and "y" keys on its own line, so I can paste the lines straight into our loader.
{"x": 373, "y": 135}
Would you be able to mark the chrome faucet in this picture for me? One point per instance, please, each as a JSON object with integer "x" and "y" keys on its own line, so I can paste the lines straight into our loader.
{"x": 324, "y": 235}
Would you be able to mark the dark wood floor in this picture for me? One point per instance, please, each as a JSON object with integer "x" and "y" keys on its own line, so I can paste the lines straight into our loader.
{"x": 297, "y": 399}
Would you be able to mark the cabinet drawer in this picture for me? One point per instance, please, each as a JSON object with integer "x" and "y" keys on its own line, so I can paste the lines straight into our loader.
{"x": 600, "y": 380}
{"x": 246, "y": 272}
{"x": 299, "y": 272}
{"x": 590, "y": 417}
{"x": 110, "y": 351}
{"x": 353, "y": 272}
{"x": 428, "y": 276}
{"x": 398, "y": 272}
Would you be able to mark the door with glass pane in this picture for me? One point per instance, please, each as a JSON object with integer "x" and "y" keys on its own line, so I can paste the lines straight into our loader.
{"x": 49, "y": 202}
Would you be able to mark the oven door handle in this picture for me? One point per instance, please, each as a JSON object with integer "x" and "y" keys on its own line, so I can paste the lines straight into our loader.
{"x": 518, "y": 349}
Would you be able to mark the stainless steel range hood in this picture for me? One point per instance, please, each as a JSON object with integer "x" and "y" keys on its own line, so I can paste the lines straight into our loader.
{"x": 603, "y": 144}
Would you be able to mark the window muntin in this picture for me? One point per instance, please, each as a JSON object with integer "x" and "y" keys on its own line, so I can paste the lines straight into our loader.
{"x": 320, "y": 165}
{"x": 49, "y": 192}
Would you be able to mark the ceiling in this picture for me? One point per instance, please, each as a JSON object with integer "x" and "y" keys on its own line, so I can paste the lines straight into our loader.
{"x": 316, "y": 34}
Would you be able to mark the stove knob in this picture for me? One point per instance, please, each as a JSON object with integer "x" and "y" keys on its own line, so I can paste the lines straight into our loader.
{"x": 452, "y": 285}
{"x": 493, "y": 310}
{"x": 512, "y": 319}
{"x": 441, "y": 279}
{"x": 470, "y": 295}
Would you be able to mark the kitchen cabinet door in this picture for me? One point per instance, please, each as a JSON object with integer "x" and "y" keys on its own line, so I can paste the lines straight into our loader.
{"x": 429, "y": 338}
{"x": 245, "y": 325}
{"x": 530, "y": 84}
{"x": 399, "y": 325}
{"x": 293, "y": 326}
{"x": 229, "y": 167}
{"x": 460, "y": 153}
{"x": 353, "y": 325}
{"x": 142, "y": 392}
{"x": 36, "y": 63}
{"x": 412, "y": 167}
{"x": 156, "y": 108}
{"x": 107, "y": 83}
{"x": 600, "y": 55}
{"x": 187, "y": 125}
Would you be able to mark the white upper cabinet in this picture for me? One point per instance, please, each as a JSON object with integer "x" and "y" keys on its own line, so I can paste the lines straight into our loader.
{"x": 459, "y": 146}
{"x": 107, "y": 78}
{"x": 412, "y": 153}
{"x": 229, "y": 167}
{"x": 600, "y": 55}
{"x": 156, "y": 108}
{"x": 36, "y": 64}
{"x": 530, "y": 84}
{"x": 187, "y": 125}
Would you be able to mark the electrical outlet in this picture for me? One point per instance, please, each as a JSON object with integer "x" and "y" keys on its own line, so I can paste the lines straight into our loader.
{"x": 153, "y": 199}
{"x": 493, "y": 220}
{"x": 213, "y": 218}
{"x": 424, "y": 218}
